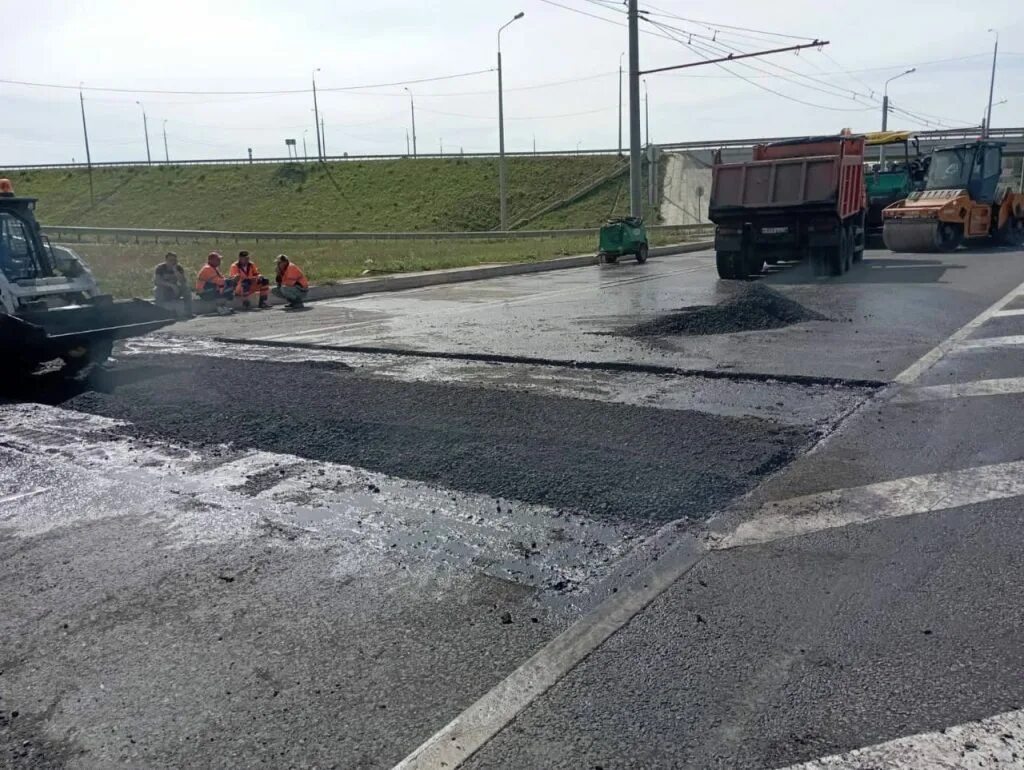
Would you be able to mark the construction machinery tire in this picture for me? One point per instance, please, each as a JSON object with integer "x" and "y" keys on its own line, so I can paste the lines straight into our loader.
{"x": 923, "y": 237}
{"x": 1011, "y": 234}
{"x": 611, "y": 259}
{"x": 642, "y": 253}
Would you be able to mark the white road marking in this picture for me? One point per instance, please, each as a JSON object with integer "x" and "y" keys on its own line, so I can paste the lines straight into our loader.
{"x": 1004, "y": 313}
{"x": 994, "y": 342}
{"x": 883, "y": 500}
{"x": 21, "y": 496}
{"x": 471, "y": 307}
{"x": 933, "y": 356}
{"x": 999, "y": 387}
{"x": 990, "y": 743}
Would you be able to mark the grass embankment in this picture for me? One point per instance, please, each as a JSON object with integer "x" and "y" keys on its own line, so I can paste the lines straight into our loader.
{"x": 126, "y": 270}
{"x": 354, "y": 196}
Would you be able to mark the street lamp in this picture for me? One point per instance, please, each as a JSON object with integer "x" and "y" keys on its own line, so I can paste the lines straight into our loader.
{"x": 412, "y": 111}
{"x": 145, "y": 129}
{"x": 885, "y": 111}
{"x": 991, "y": 86}
{"x": 167, "y": 155}
{"x": 316, "y": 118}
{"x": 502, "y": 188}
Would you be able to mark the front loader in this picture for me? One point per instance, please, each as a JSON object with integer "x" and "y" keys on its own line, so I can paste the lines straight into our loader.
{"x": 961, "y": 201}
{"x": 50, "y": 305}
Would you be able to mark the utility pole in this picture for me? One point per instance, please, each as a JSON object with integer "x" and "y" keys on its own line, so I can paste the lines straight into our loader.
{"x": 316, "y": 118}
{"x": 647, "y": 118}
{"x": 502, "y": 184}
{"x": 635, "y": 204}
{"x": 407, "y": 142}
{"x": 305, "y": 155}
{"x": 620, "y": 102}
{"x": 991, "y": 86}
{"x": 441, "y": 141}
{"x": 534, "y": 144}
{"x": 145, "y": 129}
{"x": 885, "y": 112}
{"x": 88, "y": 155}
{"x": 167, "y": 155}
{"x": 412, "y": 112}
{"x": 323, "y": 138}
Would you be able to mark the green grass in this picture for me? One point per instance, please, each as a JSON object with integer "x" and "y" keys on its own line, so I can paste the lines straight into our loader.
{"x": 126, "y": 270}
{"x": 375, "y": 196}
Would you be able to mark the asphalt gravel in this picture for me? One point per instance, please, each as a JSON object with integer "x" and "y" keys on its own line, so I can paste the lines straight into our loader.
{"x": 754, "y": 307}
{"x": 609, "y": 460}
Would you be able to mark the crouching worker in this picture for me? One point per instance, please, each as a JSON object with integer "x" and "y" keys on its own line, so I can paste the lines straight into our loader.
{"x": 291, "y": 283}
{"x": 214, "y": 287}
{"x": 170, "y": 285}
{"x": 248, "y": 281}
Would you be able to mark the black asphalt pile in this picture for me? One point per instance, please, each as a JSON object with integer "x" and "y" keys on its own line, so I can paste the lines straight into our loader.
{"x": 755, "y": 307}
{"x": 610, "y": 460}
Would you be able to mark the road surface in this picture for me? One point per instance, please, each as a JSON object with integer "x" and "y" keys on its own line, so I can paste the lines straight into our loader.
{"x": 485, "y": 524}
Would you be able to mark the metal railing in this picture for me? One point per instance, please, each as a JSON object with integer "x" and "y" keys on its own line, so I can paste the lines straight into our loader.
{"x": 70, "y": 233}
{"x": 709, "y": 144}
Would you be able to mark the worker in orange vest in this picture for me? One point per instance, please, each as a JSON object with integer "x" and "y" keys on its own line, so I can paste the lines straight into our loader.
{"x": 212, "y": 286}
{"x": 248, "y": 281}
{"x": 291, "y": 282}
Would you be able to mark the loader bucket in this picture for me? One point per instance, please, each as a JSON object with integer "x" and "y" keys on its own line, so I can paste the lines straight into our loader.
{"x": 44, "y": 334}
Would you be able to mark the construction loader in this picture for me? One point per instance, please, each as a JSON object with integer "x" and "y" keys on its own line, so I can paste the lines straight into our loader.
{"x": 962, "y": 200}
{"x": 50, "y": 305}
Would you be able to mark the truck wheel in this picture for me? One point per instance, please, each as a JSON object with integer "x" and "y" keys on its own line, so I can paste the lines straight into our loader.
{"x": 754, "y": 261}
{"x": 641, "y": 254}
{"x": 723, "y": 263}
{"x": 740, "y": 265}
{"x": 835, "y": 261}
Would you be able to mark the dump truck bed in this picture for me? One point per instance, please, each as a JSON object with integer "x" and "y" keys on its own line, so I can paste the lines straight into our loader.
{"x": 824, "y": 173}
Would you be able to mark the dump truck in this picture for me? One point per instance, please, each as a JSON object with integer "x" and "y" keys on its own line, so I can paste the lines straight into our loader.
{"x": 890, "y": 181}
{"x": 961, "y": 200}
{"x": 50, "y": 305}
{"x": 798, "y": 199}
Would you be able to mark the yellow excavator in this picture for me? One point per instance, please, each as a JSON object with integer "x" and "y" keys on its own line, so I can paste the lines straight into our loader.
{"x": 962, "y": 200}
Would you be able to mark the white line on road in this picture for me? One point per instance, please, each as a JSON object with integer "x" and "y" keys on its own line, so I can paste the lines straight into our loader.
{"x": 883, "y": 500}
{"x": 994, "y": 742}
{"x": 994, "y": 342}
{"x": 1000, "y": 387}
{"x": 1003, "y": 313}
{"x": 933, "y": 356}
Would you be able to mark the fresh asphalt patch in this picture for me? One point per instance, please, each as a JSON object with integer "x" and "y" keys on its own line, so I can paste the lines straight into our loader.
{"x": 613, "y": 461}
{"x": 754, "y": 307}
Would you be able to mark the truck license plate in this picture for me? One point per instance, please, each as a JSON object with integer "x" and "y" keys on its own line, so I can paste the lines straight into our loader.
{"x": 774, "y": 230}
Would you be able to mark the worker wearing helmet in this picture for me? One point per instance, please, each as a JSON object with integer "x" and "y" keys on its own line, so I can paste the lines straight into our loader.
{"x": 291, "y": 282}
{"x": 214, "y": 287}
{"x": 248, "y": 281}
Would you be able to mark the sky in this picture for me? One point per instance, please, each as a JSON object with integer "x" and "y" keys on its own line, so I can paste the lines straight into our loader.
{"x": 560, "y": 72}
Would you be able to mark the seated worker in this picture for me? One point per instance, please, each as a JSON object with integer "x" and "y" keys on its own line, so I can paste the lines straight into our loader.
{"x": 291, "y": 283}
{"x": 249, "y": 281}
{"x": 170, "y": 285}
{"x": 211, "y": 285}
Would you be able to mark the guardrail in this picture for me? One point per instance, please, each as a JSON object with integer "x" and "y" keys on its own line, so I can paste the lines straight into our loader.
{"x": 65, "y": 233}
{"x": 708, "y": 144}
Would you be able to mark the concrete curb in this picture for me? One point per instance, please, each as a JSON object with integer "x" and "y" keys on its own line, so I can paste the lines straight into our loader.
{"x": 402, "y": 281}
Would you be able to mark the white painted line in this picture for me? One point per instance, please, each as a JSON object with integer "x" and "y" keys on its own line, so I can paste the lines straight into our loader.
{"x": 471, "y": 729}
{"x": 933, "y": 356}
{"x": 1000, "y": 387}
{"x": 994, "y": 342}
{"x": 1003, "y": 313}
{"x": 884, "y": 500}
{"x": 996, "y": 742}
{"x": 21, "y": 496}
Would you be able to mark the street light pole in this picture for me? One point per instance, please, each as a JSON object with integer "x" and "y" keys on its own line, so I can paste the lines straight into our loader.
{"x": 305, "y": 155}
{"x": 167, "y": 155}
{"x": 502, "y": 185}
{"x": 620, "y": 102}
{"x": 316, "y": 118}
{"x": 885, "y": 111}
{"x": 145, "y": 129}
{"x": 412, "y": 112}
{"x": 88, "y": 155}
{"x": 647, "y": 118}
{"x": 635, "y": 204}
{"x": 991, "y": 87}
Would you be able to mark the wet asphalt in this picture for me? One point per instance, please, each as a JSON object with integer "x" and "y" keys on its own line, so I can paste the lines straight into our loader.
{"x": 240, "y": 556}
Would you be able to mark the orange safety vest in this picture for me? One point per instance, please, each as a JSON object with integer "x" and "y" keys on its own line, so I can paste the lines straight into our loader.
{"x": 209, "y": 274}
{"x": 292, "y": 276}
{"x": 251, "y": 272}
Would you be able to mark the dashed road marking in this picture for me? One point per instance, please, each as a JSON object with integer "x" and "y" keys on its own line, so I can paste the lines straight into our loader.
{"x": 933, "y": 356}
{"x": 994, "y": 742}
{"x": 999, "y": 387}
{"x": 1004, "y": 313}
{"x": 994, "y": 342}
